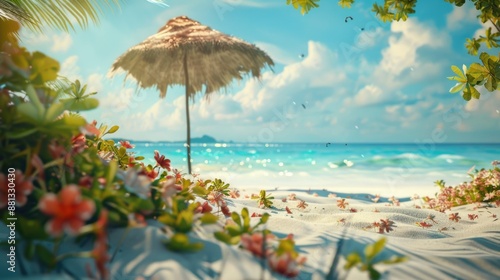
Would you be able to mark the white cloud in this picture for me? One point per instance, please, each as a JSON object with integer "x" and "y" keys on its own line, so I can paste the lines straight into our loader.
{"x": 94, "y": 82}
{"x": 461, "y": 16}
{"x": 402, "y": 51}
{"x": 484, "y": 26}
{"x": 369, "y": 95}
{"x": 70, "y": 69}
{"x": 61, "y": 42}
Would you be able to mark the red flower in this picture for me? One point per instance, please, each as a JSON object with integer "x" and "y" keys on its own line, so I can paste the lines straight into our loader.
{"x": 204, "y": 208}
{"x": 162, "y": 161}
{"x": 126, "y": 145}
{"x": 288, "y": 210}
{"x": 85, "y": 181}
{"x": 68, "y": 209}
{"x": 472, "y": 217}
{"x": 255, "y": 215}
{"x": 78, "y": 143}
{"x": 254, "y": 243}
{"x": 285, "y": 264}
{"x": 225, "y": 210}
{"x": 423, "y": 224}
{"x": 151, "y": 173}
{"x": 22, "y": 188}
{"x": 131, "y": 161}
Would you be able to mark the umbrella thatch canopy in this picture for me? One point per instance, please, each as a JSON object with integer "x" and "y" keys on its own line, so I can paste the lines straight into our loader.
{"x": 184, "y": 52}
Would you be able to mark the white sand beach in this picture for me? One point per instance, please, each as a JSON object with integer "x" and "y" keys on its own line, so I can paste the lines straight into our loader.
{"x": 467, "y": 249}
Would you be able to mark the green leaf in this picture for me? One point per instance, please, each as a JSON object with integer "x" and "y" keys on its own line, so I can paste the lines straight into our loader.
{"x": 374, "y": 249}
{"x": 111, "y": 173}
{"x": 20, "y": 134}
{"x": 29, "y": 112}
{"x": 166, "y": 219}
{"x": 54, "y": 111}
{"x": 180, "y": 243}
{"x": 459, "y": 73}
{"x": 246, "y": 217}
{"x": 45, "y": 256}
{"x": 222, "y": 236}
{"x": 457, "y": 87}
{"x": 474, "y": 92}
{"x": 346, "y": 3}
{"x": 209, "y": 218}
{"x": 113, "y": 129}
{"x": 395, "y": 260}
{"x": 233, "y": 230}
{"x": 81, "y": 105}
{"x": 184, "y": 222}
{"x": 352, "y": 260}
{"x": 264, "y": 218}
{"x": 236, "y": 218}
{"x": 374, "y": 274}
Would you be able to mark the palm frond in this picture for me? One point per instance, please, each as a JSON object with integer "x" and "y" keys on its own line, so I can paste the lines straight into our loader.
{"x": 61, "y": 14}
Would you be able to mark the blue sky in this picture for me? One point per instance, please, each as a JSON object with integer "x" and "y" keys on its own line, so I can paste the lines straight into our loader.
{"x": 386, "y": 83}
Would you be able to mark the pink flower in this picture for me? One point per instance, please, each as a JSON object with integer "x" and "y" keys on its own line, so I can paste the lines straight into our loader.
{"x": 332, "y": 195}
{"x": 126, "y": 145}
{"x": 285, "y": 264}
{"x": 292, "y": 196}
{"x": 254, "y": 243}
{"x": 472, "y": 217}
{"x": 454, "y": 217}
{"x": 22, "y": 188}
{"x": 68, "y": 210}
{"x": 423, "y": 224}
{"x": 90, "y": 129}
{"x": 217, "y": 198}
{"x": 234, "y": 193}
{"x": 255, "y": 215}
{"x": 162, "y": 161}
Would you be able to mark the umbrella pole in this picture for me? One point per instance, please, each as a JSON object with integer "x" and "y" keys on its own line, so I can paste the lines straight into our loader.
{"x": 187, "y": 115}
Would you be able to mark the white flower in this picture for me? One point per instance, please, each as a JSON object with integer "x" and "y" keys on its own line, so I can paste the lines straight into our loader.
{"x": 135, "y": 182}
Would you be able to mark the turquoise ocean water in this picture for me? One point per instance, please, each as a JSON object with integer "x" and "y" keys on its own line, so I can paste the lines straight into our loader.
{"x": 326, "y": 165}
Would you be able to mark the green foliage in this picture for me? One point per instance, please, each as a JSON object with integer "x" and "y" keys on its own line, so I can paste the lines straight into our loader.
{"x": 232, "y": 232}
{"x": 264, "y": 200}
{"x": 487, "y": 75}
{"x": 59, "y": 14}
{"x": 367, "y": 262}
{"x": 219, "y": 186}
{"x": 304, "y": 5}
{"x": 483, "y": 187}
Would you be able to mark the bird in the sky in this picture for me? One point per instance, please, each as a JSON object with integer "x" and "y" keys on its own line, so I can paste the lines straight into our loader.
{"x": 349, "y": 17}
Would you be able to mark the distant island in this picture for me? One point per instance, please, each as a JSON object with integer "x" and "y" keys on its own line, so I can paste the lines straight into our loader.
{"x": 202, "y": 139}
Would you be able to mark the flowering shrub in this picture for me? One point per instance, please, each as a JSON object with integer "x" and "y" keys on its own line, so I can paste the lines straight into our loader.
{"x": 484, "y": 187}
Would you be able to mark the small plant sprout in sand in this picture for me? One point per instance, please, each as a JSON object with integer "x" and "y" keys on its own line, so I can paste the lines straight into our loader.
{"x": 232, "y": 233}
{"x": 367, "y": 261}
{"x": 219, "y": 186}
{"x": 263, "y": 200}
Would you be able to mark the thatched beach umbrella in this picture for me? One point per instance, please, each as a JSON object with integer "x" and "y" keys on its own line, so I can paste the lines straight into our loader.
{"x": 184, "y": 52}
